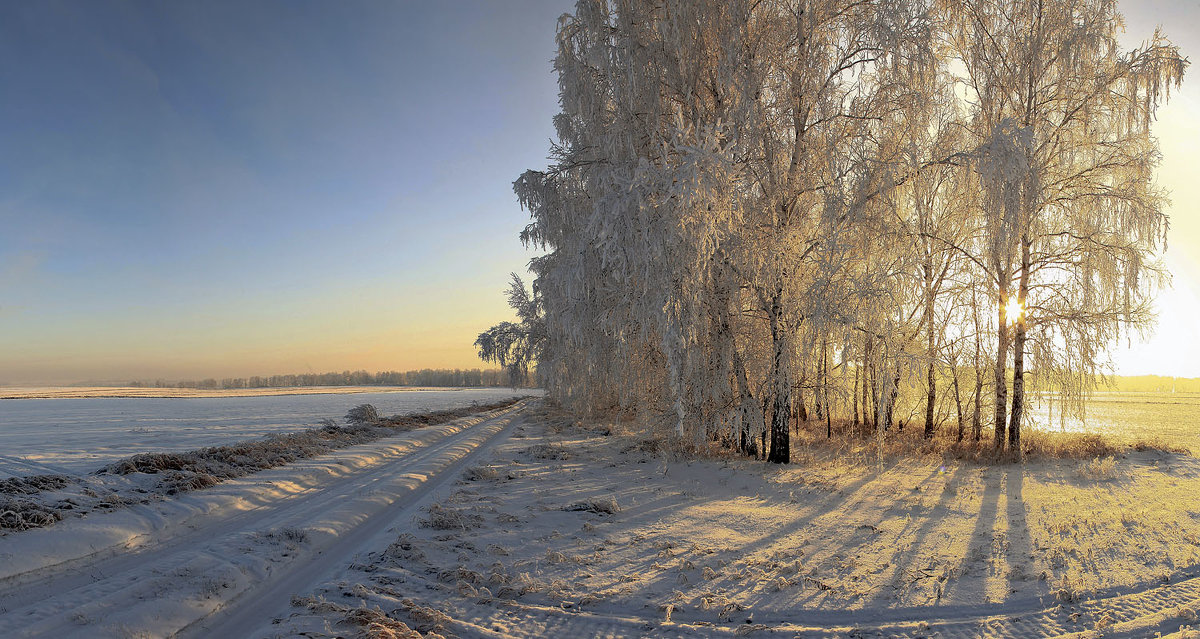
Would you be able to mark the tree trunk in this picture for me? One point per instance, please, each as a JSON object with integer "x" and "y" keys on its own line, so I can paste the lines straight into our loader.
{"x": 854, "y": 395}
{"x": 931, "y": 349}
{"x": 749, "y": 408}
{"x": 893, "y": 396}
{"x": 818, "y": 408}
{"x": 825, "y": 390}
{"x": 977, "y": 411}
{"x": 1018, "y": 401}
{"x": 962, "y": 426}
{"x": 930, "y": 398}
{"x": 818, "y": 402}
{"x": 1001, "y": 408}
{"x": 780, "y": 452}
{"x": 871, "y": 375}
{"x": 866, "y": 376}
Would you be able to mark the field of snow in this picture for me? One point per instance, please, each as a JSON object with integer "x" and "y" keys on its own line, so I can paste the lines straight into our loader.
{"x": 521, "y": 523}
{"x": 229, "y": 554}
{"x": 1173, "y": 418}
{"x": 77, "y": 435}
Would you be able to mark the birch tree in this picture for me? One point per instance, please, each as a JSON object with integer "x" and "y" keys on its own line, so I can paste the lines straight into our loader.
{"x": 747, "y": 198}
{"x": 1067, "y": 160}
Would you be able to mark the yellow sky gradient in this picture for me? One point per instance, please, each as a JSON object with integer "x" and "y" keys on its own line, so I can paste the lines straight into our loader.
{"x": 1174, "y": 347}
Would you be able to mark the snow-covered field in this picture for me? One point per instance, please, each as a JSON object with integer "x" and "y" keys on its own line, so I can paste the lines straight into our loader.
{"x": 77, "y": 435}
{"x": 1173, "y": 418}
{"x": 522, "y": 524}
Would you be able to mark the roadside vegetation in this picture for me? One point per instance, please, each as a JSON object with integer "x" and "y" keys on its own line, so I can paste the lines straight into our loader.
{"x": 41, "y": 500}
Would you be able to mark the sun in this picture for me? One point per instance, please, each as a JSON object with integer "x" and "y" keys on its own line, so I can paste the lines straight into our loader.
{"x": 1014, "y": 310}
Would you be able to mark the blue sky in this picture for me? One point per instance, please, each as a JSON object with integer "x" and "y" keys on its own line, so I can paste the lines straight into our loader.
{"x": 235, "y": 188}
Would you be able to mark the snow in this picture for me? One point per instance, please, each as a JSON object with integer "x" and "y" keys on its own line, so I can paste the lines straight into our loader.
{"x": 81, "y": 432}
{"x": 822, "y": 548}
{"x": 156, "y": 567}
{"x": 528, "y": 525}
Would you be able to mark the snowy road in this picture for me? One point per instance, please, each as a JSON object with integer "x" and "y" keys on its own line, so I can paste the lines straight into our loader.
{"x": 223, "y": 561}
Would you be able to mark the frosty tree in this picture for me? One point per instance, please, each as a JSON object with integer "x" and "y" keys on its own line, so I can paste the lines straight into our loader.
{"x": 1066, "y": 164}
{"x": 516, "y": 345}
{"x": 754, "y": 203}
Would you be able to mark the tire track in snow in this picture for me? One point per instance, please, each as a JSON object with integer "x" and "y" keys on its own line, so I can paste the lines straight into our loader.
{"x": 1139, "y": 614}
{"x": 340, "y": 476}
{"x": 156, "y": 584}
{"x": 274, "y": 597}
{"x": 12, "y": 466}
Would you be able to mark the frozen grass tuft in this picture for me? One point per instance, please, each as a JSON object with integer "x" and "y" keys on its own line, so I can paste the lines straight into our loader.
{"x": 373, "y": 623}
{"x": 426, "y": 619}
{"x": 289, "y": 534}
{"x": 481, "y": 473}
{"x": 21, "y": 514}
{"x": 33, "y": 484}
{"x": 548, "y": 451}
{"x": 180, "y": 482}
{"x": 442, "y": 518}
{"x": 1099, "y": 469}
{"x": 599, "y": 505}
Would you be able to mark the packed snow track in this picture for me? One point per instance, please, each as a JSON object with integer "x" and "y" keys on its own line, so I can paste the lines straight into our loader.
{"x": 224, "y": 561}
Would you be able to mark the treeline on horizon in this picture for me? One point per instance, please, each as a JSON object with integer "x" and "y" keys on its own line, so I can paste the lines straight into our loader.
{"x": 466, "y": 378}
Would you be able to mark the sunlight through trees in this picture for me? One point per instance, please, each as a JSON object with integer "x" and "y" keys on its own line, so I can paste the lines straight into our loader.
{"x": 765, "y": 211}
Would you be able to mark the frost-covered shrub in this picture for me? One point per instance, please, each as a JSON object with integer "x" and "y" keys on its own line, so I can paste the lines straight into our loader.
{"x": 1100, "y": 468}
{"x": 23, "y": 515}
{"x": 363, "y": 414}
{"x": 442, "y": 518}
{"x": 33, "y": 484}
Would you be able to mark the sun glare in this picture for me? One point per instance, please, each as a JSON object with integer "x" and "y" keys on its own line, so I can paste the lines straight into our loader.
{"x": 1014, "y": 310}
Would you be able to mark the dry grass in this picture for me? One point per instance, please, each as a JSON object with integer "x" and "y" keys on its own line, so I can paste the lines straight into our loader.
{"x": 33, "y": 484}
{"x": 371, "y": 622}
{"x": 859, "y": 442}
{"x": 197, "y": 469}
{"x": 205, "y": 467}
{"x": 599, "y": 505}
{"x": 548, "y": 451}
{"x": 442, "y": 518}
{"x": 1099, "y": 468}
{"x": 21, "y": 514}
{"x": 481, "y": 473}
{"x": 854, "y": 442}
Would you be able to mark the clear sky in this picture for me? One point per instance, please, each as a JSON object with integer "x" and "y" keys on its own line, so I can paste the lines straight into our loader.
{"x": 236, "y": 188}
{"x": 193, "y": 189}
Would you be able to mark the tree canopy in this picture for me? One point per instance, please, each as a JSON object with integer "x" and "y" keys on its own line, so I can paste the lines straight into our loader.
{"x": 758, "y": 207}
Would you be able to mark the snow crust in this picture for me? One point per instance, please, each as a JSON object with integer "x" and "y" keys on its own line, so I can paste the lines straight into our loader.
{"x": 77, "y": 435}
{"x": 530, "y": 525}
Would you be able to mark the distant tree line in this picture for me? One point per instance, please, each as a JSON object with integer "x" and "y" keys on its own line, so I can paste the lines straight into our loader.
{"x": 470, "y": 378}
